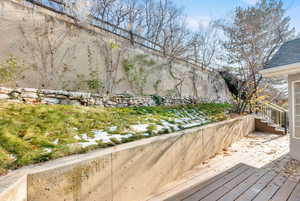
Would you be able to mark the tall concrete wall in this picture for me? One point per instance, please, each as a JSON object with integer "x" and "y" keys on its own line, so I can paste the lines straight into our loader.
{"x": 128, "y": 172}
{"x": 56, "y": 53}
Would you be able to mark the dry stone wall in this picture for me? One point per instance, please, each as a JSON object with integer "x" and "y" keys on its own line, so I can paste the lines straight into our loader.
{"x": 30, "y": 95}
{"x": 52, "y": 51}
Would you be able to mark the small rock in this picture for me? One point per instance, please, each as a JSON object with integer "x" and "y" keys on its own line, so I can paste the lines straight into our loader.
{"x": 51, "y": 101}
{"x": 29, "y": 95}
{"x": 30, "y": 100}
{"x": 79, "y": 95}
{"x": 30, "y": 90}
{"x": 4, "y": 90}
{"x": 70, "y": 102}
{"x": 15, "y": 94}
{"x": 58, "y": 96}
{"x": 4, "y": 96}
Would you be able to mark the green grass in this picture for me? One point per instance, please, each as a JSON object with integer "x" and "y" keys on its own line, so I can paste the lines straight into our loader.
{"x": 28, "y": 131}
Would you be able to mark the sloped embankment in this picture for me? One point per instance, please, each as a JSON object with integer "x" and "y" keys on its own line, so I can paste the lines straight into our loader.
{"x": 36, "y": 133}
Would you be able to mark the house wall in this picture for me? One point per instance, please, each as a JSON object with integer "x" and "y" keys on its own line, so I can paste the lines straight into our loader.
{"x": 294, "y": 142}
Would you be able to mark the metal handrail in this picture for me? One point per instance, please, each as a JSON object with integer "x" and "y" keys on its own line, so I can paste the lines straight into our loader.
{"x": 111, "y": 28}
{"x": 276, "y": 115}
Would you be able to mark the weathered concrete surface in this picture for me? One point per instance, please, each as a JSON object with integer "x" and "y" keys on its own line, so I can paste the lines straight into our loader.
{"x": 77, "y": 51}
{"x": 81, "y": 181}
{"x": 13, "y": 187}
{"x": 133, "y": 171}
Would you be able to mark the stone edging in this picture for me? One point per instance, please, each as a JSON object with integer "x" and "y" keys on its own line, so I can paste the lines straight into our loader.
{"x": 44, "y": 96}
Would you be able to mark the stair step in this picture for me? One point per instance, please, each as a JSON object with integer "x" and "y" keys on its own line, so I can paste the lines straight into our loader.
{"x": 280, "y": 129}
{"x": 265, "y": 125}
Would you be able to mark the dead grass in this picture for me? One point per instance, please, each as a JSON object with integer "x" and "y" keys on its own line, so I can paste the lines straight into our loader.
{"x": 28, "y": 132}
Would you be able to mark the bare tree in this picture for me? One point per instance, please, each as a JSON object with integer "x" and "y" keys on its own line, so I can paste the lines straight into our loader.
{"x": 252, "y": 38}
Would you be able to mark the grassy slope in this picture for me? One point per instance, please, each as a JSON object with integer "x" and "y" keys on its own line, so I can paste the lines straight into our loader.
{"x": 28, "y": 131}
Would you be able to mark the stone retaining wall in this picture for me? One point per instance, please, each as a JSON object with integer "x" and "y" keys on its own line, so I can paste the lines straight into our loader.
{"x": 29, "y": 95}
{"x": 133, "y": 171}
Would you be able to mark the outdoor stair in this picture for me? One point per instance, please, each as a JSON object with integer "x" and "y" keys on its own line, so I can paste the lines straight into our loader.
{"x": 267, "y": 126}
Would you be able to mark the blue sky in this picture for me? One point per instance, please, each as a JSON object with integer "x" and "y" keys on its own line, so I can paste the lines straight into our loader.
{"x": 206, "y": 10}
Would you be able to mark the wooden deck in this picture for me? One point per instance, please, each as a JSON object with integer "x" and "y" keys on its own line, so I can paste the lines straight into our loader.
{"x": 276, "y": 180}
{"x": 244, "y": 183}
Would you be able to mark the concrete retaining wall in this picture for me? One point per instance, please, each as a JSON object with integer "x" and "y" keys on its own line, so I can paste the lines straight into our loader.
{"x": 133, "y": 171}
{"x": 54, "y": 52}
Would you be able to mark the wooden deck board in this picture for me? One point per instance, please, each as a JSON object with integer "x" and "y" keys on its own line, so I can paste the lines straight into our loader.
{"x": 295, "y": 196}
{"x": 252, "y": 192}
{"x": 212, "y": 187}
{"x": 285, "y": 191}
{"x": 267, "y": 193}
{"x": 241, "y": 188}
{"x": 230, "y": 185}
{"x": 194, "y": 189}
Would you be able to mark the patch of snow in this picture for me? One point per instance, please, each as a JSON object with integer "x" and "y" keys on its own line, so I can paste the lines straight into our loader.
{"x": 113, "y": 128}
{"x": 47, "y": 150}
{"x": 101, "y": 136}
{"x": 77, "y": 137}
{"x": 139, "y": 127}
{"x": 13, "y": 157}
{"x": 56, "y": 141}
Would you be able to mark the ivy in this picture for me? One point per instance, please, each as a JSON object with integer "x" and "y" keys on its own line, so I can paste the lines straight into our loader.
{"x": 10, "y": 69}
{"x": 137, "y": 69}
{"x": 158, "y": 99}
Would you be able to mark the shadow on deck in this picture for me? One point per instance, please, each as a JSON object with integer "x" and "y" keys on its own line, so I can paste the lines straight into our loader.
{"x": 277, "y": 181}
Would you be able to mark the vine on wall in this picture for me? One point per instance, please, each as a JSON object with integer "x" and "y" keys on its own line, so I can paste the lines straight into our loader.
{"x": 10, "y": 70}
{"x": 112, "y": 53}
{"x": 43, "y": 41}
{"x": 137, "y": 70}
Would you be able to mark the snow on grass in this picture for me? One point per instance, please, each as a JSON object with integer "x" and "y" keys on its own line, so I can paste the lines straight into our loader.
{"x": 52, "y": 131}
{"x": 100, "y": 136}
{"x": 47, "y": 150}
{"x": 182, "y": 119}
{"x": 139, "y": 128}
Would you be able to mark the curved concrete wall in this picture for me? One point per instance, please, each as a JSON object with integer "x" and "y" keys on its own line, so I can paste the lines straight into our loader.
{"x": 133, "y": 171}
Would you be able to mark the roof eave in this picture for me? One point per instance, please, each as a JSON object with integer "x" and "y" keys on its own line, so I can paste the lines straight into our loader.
{"x": 281, "y": 70}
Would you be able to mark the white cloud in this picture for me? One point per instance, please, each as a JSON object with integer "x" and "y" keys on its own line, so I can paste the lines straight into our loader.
{"x": 195, "y": 21}
{"x": 252, "y": 2}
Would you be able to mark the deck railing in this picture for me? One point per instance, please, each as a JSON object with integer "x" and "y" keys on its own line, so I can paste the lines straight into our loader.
{"x": 276, "y": 115}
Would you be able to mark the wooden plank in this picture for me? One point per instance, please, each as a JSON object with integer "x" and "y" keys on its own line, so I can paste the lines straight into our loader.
{"x": 285, "y": 191}
{"x": 228, "y": 186}
{"x": 212, "y": 187}
{"x": 252, "y": 192}
{"x": 267, "y": 193}
{"x": 180, "y": 196}
{"x": 241, "y": 188}
{"x": 295, "y": 196}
